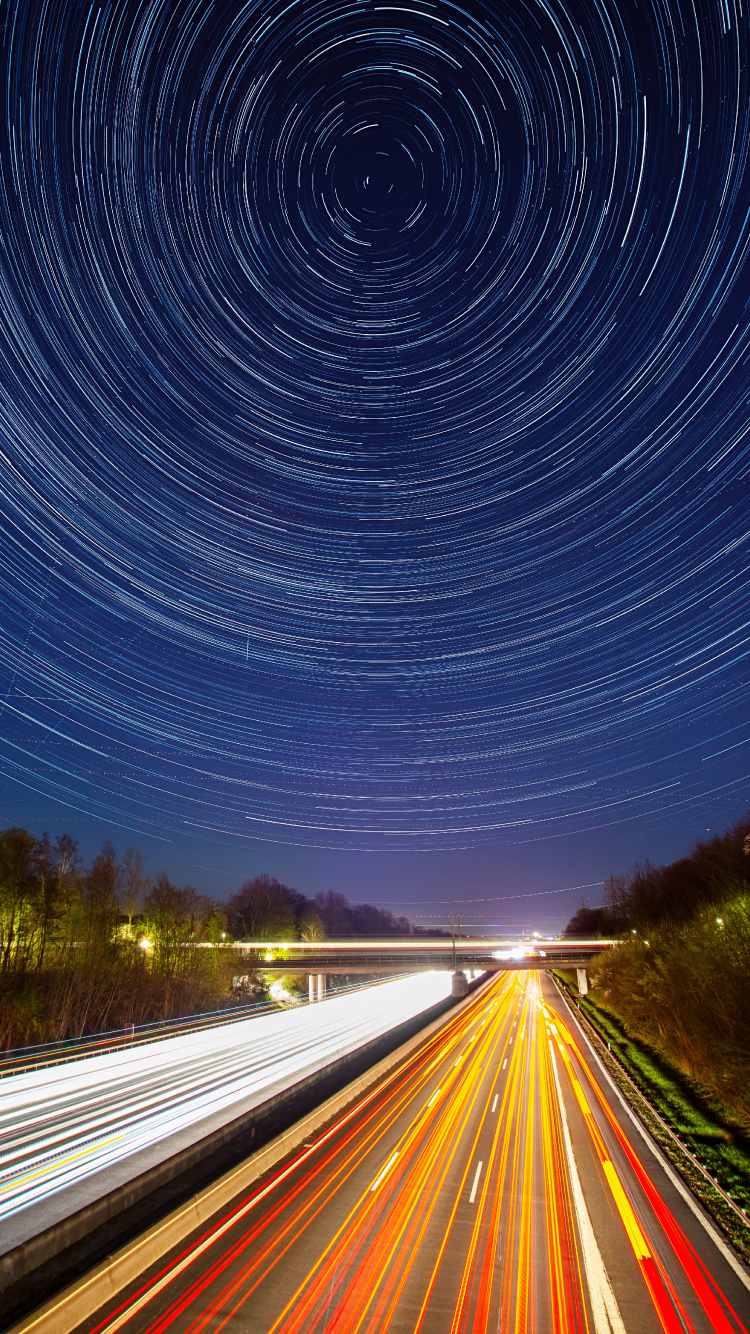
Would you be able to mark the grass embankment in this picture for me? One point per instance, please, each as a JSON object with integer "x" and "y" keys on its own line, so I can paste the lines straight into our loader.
{"x": 706, "y": 1129}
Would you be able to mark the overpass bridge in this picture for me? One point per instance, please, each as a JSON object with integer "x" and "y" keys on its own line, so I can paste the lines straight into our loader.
{"x": 322, "y": 958}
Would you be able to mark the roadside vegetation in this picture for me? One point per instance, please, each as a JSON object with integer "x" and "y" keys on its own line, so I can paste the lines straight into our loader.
{"x": 671, "y": 1004}
{"x": 701, "y": 1126}
{"x": 679, "y": 978}
{"x": 86, "y": 949}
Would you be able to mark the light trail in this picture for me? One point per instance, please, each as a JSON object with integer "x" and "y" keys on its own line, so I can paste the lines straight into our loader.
{"x": 96, "y": 1044}
{"x": 485, "y": 1185}
{"x": 59, "y": 1126}
{"x": 671, "y": 1312}
{"x": 373, "y": 438}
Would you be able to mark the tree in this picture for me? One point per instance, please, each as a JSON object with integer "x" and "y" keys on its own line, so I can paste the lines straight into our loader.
{"x": 342, "y": 918}
{"x": 21, "y": 912}
{"x": 336, "y": 915}
{"x": 311, "y": 926}
{"x": 588, "y": 922}
{"x": 263, "y": 909}
{"x": 133, "y": 882}
{"x": 101, "y": 901}
{"x": 174, "y": 919}
{"x": 367, "y": 920}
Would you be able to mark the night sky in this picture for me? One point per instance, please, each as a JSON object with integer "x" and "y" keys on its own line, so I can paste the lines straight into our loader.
{"x": 374, "y": 439}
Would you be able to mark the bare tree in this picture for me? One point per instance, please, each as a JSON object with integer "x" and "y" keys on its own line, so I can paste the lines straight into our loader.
{"x": 262, "y": 909}
{"x": 133, "y": 882}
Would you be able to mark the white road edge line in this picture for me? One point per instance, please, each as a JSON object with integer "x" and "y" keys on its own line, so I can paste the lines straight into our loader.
{"x": 687, "y": 1195}
{"x": 472, "y": 1197}
{"x": 606, "y": 1312}
{"x": 385, "y": 1171}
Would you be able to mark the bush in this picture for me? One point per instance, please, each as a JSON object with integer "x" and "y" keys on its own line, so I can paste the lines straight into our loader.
{"x": 686, "y": 989}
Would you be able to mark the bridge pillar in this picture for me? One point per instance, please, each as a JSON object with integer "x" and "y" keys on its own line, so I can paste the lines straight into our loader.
{"x": 312, "y": 987}
{"x": 321, "y": 986}
{"x": 459, "y": 984}
{"x": 583, "y": 981}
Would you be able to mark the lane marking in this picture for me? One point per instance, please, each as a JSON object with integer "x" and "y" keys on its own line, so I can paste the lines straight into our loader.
{"x": 650, "y": 1272}
{"x": 669, "y": 1308}
{"x": 432, "y": 1099}
{"x": 127, "y": 1310}
{"x": 58, "y": 1162}
{"x": 385, "y": 1170}
{"x": 477, "y": 1174}
{"x": 604, "y": 1308}
{"x": 494, "y": 1104}
{"x": 505, "y": 1062}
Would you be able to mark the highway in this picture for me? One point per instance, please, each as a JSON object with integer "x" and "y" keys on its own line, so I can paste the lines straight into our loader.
{"x": 490, "y": 1182}
{"x": 70, "y": 1133}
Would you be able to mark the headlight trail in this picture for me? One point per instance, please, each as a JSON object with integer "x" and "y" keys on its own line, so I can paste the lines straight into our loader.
{"x": 59, "y": 1126}
{"x": 487, "y": 1184}
{"x": 95, "y": 1044}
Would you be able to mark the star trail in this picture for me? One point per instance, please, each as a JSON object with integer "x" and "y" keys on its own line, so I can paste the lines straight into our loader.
{"x": 374, "y": 418}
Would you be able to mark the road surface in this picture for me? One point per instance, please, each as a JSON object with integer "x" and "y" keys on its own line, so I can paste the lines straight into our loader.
{"x": 71, "y": 1133}
{"x": 492, "y": 1182}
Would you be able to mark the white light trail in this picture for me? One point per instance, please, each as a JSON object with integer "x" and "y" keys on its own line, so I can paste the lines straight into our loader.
{"x": 63, "y": 1124}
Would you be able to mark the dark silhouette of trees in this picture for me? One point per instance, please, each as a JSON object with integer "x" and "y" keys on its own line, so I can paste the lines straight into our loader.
{"x": 342, "y": 919}
{"x": 651, "y": 895}
{"x": 263, "y": 909}
{"x": 335, "y": 914}
{"x": 589, "y": 922}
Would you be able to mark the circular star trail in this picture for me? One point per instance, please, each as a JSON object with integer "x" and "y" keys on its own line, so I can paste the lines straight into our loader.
{"x": 374, "y": 416}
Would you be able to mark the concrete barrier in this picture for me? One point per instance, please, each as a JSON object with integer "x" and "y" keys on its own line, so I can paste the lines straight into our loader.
{"x": 84, "y": 1297}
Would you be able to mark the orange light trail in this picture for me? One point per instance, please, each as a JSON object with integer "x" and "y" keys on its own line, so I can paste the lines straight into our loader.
{"x": 448, "y": 1199}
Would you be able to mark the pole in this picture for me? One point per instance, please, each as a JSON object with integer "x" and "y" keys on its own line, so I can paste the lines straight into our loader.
{"x": 453, "y": 937}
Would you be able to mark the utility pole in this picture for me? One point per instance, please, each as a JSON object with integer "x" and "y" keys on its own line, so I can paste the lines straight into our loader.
{"x": 459, "y": 984}
{"x": 453, "y": 937}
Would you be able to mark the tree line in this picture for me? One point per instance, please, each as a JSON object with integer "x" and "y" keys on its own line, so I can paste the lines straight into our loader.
{"x": 89, "y": 948}
{"x": 263, "y": 909}
{"x": 679, "y": 977}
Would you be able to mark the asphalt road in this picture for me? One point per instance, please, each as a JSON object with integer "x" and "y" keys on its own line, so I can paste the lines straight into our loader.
{"x": 492, "y": 1182}
{"x": 71, "y": 1133}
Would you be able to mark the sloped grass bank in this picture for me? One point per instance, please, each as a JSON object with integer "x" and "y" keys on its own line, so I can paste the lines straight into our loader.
{"x": 707, "y": 1130}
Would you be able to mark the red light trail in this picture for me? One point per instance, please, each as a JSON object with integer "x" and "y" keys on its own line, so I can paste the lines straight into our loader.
{"x": 490, "y": 1183}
